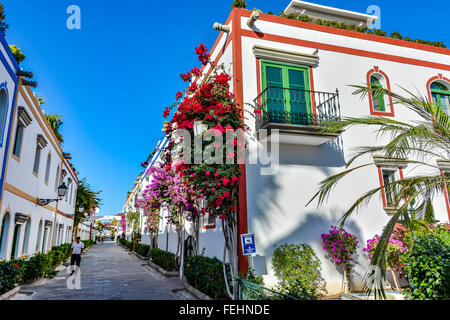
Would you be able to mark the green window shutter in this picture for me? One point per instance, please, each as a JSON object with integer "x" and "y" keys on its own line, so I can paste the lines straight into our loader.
{"x": 378, "y": 100}
{"x": 18, "y": 140}
{"x": 287, "y": 93}
{"x": 440, "y": 96}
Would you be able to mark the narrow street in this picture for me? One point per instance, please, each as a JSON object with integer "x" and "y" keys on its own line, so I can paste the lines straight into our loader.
{"x": 108, "y": 272}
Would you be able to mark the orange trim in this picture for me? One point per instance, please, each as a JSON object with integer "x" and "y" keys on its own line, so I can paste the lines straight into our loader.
{"x": 219, "y": 55}
{"x": 313, "y": 98}
{"x": 432, "y": 79}
{"x": 218, "y": 39}
{"x": 347, "y": 33}
{"x": 209, "y": 226}
{"x": 447, "y": 201}
{"x": 388, "y": 85}
{"x": 345, "y": 50}
{"x": 383, "y": 194}
{"x": 238, "y": 89}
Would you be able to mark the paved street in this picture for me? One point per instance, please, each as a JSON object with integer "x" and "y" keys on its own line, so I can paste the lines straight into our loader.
{"x": 108, "y": 272}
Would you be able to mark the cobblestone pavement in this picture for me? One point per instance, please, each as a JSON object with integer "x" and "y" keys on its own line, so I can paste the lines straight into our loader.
{"x": 108, "y": 272}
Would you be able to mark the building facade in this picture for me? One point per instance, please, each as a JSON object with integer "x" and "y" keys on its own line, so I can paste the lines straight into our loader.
{"x": 34, "y": 166}
{"x": 299, "y": 74}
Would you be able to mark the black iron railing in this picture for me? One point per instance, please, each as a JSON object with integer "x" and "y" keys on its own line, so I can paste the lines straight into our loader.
{"x": 297, "y": 107}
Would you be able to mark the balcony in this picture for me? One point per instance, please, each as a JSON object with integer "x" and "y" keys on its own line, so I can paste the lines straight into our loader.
{"x": 297, "y": 114}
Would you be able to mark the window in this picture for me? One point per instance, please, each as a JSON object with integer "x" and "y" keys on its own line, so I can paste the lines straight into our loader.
{"x": 209, "y": 221}
{"x": 41, "y": 143}
{"x": 286, "y": 93}
{"x": 3, "y": 112}
{"x": 440, "y": 96}
{"x": 18, "y": 140}
{"x": 38, "y": 239}
{"x": 378, "y": 100}
{"x": 380, "y": 104}
{"x": 4, "y": 235}
{"x": 23, "y": 120}
{"x": 16, "y": 239}
{"x": 57, "y": 178}
{"x": 47, "y": 169}
{"x": 389, "y": 176}
{"x": 26, "y": 237}
{"x": 37, "y": 159}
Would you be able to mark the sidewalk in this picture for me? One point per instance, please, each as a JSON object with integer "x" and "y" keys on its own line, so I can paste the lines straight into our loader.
{"x": 108, "y": 272}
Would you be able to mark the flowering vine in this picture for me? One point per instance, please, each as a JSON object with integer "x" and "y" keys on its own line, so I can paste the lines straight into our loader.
{"x": 341, "y": 246}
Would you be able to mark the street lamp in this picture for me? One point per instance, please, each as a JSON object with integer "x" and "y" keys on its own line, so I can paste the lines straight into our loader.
{"x": 62, "y": 189}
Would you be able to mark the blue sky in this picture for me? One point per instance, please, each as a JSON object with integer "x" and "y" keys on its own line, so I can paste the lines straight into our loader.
{"x": 111, "y": 79}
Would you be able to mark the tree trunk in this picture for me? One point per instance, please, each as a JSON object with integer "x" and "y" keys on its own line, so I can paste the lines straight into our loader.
{"x": 229, "y": 227}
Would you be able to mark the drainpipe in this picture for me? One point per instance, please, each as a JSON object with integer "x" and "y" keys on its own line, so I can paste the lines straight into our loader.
{"x": 251, "y": 21}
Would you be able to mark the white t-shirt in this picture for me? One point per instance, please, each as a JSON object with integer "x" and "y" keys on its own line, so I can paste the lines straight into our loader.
{"x": 77, "y": 247}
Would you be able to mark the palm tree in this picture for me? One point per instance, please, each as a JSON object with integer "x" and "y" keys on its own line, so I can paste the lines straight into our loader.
{"x": 418, "y": 143}
{"x": 86, "y": 198}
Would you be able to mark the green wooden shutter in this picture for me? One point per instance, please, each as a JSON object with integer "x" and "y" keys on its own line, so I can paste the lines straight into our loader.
{"x": 378, "y": 100}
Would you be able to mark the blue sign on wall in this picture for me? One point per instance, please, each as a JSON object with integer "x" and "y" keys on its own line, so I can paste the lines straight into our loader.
{"x": 248, "y": 244}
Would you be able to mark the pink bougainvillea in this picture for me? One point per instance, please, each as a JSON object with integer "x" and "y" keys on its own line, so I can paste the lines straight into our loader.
{"x": 341, "y": 246}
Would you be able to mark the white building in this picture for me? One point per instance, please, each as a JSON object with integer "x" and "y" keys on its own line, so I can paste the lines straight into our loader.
{"x": 34, "y": 166}
{"x": 318, "y": 63}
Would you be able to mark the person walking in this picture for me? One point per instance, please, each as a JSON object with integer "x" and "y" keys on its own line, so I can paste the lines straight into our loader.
{"x": 76, "y": 251}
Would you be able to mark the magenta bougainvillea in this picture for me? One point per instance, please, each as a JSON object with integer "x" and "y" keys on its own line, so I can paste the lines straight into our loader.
{"x": 123, "y": 223}
{"x": 341, "y": 246}
{"x": 395, "y": 250}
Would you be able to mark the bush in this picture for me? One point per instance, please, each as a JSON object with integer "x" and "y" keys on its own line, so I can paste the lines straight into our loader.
{"x": 88, "y": 243}
{"x": 206, "y": 274}
{"x": 35, "y": 267}
{"x": 142, "y": 249}
{"x": 298, "y": 270}
{"x": 239, "y": 4}
{"x": 10, "y": 275}
{"x": 428, "y": 265}
{"x": 164, "y": 259}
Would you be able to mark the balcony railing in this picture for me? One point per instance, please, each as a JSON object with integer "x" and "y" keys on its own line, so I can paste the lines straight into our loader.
{"x": 296, "y": 107}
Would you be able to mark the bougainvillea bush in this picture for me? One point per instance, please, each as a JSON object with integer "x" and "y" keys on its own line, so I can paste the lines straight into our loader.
{"x": 340, "y": 246}
{"x": 394, "y": 252}
{"x": 188, "y": 188}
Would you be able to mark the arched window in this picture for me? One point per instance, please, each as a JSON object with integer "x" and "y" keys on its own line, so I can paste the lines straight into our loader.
{"x": 3, "y": 112}
{"x": 378, "y": 100}
{"x": 4, "y": 235}
{"x": 440, "y": 95}
{"x": 47, "y": 168}
{"x": 38, "y": 239}
{"x": 26, "y": 237}
{"x": 380, "y": 104}
{"x": 57, "y": 178}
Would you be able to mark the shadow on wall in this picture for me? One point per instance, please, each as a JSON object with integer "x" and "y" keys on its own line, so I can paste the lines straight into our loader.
{"x": 309, "y": 232}
{"x": 330, "y": 154}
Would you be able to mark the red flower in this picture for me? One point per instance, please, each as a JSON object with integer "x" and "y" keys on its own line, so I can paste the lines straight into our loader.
{"x": 166, "y": 113}
{"x": 186, "y": 77}
{"x": 196, "y": 72}
{"x": 179, "y": 96}
{"x": 20, "y": 277}
{"x": 257, "y": 111}
{"x": 193, "y": 87}
{"x": 226, "y": 194}
{"x": 15, "y": 266}
{"x": 223, "y": 216}
{"x": 194, "y": 175}
{"x": 208, "y": 173}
